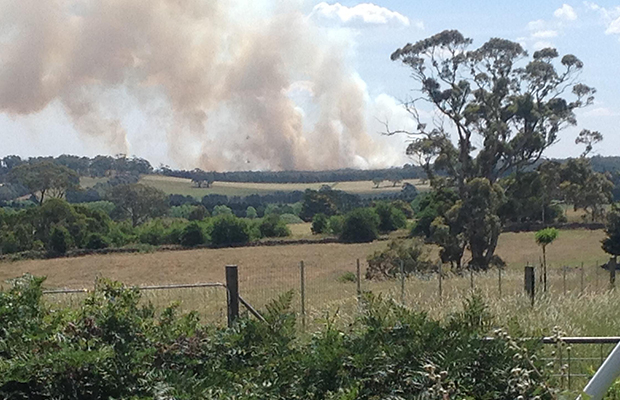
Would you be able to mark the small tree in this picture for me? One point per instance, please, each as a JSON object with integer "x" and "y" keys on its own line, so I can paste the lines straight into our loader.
{"x": 611, "y": 244}
{"x": 192, "y": 235}
{"x": 228, "y": 229}
{"x": 251, "y": 213}
{"x": 360, "y": 225}
{"x": 377, "y": 182}
{"x": 60, "y": 240}
{"x": 198, "y": 213}
{"x": 273, "y": 226}
{"x": 390, "y": 217}
{"x": 319, "y": 223}
{"x": 222, "y": 210}
{"x": 139, "y": 202}
{"x": 545, "y": 237}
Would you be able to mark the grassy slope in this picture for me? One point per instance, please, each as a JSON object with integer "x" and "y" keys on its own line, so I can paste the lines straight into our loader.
{"x": 172, "y": 185}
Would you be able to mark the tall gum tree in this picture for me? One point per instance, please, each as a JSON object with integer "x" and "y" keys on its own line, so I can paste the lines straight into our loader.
{"x": 496, "y": 110}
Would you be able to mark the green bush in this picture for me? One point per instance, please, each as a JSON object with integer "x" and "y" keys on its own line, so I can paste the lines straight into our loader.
{"x": 96, "y": 241}
{"x": 387, "y": 263}
{"x": 390, "y": 217}
{"x": 193, "y": 235}
{"x": 273, "y": 226}
{"x": 228, "y": 229}
{"x": 335, "y": 224}
{"x": 319, "y": 223}
{"x": 360, "y": 225}
{"x": 222, "y": 210}
{"x": 291, "y": 219}
{"x": 198, "y": 213}
{"x": 347, "y": 277}
{"x": 60, "y": 240}
{"x": 115, "y": 346}
{"x": 251, "y": 213}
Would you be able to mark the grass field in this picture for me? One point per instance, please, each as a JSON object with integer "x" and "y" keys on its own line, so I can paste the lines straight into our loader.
{"x": 268, "y": 271}
{"x": 171, "y": 185}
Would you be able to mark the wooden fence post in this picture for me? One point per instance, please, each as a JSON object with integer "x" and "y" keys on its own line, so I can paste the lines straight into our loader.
{"x": 359, "y": 283}
{"x": 471, "y": 279}
{"x": 530, "y": 282}
{"x": 232, "y": 289}
{"x": 303, "y": 294}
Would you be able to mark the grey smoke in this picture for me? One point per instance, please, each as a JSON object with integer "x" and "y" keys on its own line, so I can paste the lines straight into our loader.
{"x": 213, "y": 77}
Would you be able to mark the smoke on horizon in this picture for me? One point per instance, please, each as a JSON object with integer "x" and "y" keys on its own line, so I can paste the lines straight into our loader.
{"x": 226, "y": 85}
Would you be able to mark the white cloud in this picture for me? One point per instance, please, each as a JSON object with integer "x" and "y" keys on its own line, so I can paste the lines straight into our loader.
{"x": 614, "y": 27}
{"x": 545, "y": 34}
{"x": 364, "y": 13}
{"x": 566, "y": 12}
{"x": 601, "y": 112}
{"x": 542, "y": 45}
{"x": 537, "y": 25}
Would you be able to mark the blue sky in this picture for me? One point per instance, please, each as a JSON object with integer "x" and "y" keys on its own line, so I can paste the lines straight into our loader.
{"x": 260, "y": 84}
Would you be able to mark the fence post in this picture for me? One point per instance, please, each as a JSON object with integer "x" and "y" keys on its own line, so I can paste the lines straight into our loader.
{"x": 359, "y": 283}
{"x": 440, "y": 278}
{"x": 402, "y": 282}
{"x": 499, "y": 281}
{"x": 582, "y": 280}
{"x": 564, "y": 279}
{"x": 597, "y": 272}
{"x": 303, "y": 294}
{"x": 530, "y": 282}
{"x": 612, "y": 273}
{"x": 232, "y": 289}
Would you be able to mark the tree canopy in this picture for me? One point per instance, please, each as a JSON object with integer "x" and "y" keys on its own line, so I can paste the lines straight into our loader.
{"x": 502, "y": 107}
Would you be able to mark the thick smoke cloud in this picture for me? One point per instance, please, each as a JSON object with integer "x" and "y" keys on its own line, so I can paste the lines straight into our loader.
{"x": 223, "y": 91}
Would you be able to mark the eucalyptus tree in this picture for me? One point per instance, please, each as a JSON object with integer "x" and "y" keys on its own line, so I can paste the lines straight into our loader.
{"x": 490, "y": 111}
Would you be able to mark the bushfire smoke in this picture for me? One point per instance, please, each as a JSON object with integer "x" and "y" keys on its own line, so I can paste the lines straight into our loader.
{"x": 225, "y": 84}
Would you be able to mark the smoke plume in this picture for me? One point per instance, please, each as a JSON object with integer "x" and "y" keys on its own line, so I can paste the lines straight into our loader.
{"x": 221, "y": 85}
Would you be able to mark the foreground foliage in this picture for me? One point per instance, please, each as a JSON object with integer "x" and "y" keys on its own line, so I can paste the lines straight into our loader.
{"x": 114, "y": 347}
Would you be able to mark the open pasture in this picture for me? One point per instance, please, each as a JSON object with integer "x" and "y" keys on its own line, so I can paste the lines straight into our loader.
{"x": 172, "y": 185}
{"x": 268, "y": 271}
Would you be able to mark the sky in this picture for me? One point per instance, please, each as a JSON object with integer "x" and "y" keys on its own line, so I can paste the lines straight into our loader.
{"x": 261, "y": 84}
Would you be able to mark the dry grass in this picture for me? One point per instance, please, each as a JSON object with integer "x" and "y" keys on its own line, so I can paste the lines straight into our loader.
{"x": 266, "y": 272}
{"x": 172, "y": 185}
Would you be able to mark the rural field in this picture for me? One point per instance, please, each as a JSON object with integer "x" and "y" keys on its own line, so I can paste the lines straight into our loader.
{"x": 267, "y": 271}
{"x": 172, "y": 185}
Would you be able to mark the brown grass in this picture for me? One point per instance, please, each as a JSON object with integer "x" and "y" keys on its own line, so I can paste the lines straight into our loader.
{"x": 266, "y": 272}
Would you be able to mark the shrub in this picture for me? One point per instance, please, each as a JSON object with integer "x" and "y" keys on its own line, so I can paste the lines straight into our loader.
{"x": 319, "y": 223}
{"x": 198, "y": 213}
{"x": 251, "y": 213}
{"x": 152, "y": 232}
{"x": 182, "y": 211}
{"x": 290, "y": 219}
{"x": 390, "y": 217}
{"x": 273, "y": 226}
{"x": 360, "y": 225}
{"x": 387, "y": 263}
{"x": 404, "y": 207}
{"x": 335, "y": 224}
{"x": 347, "y": 277}
{"x": 60, "y": 240}
{"x": 192, "y": 235}
{"x": 96, "y": 241}
{"x": 228, "y": 229}
{"x": 222, "y": 210}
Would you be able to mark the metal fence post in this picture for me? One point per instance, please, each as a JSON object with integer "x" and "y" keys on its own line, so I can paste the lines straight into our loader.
{"x": 530, "y": 282}
{"x": 232, "y": 289}
{"x": 612, "y": 273}
{"x": 402, "y": 282}
{"x": 564, "y": 279}
{"x": 303, "y": 294}
{"x": 359, "y": 283}
{"x": 499, "y": 281}
{"x": 440, "y": 288}
{"x": 582, "y": 279}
